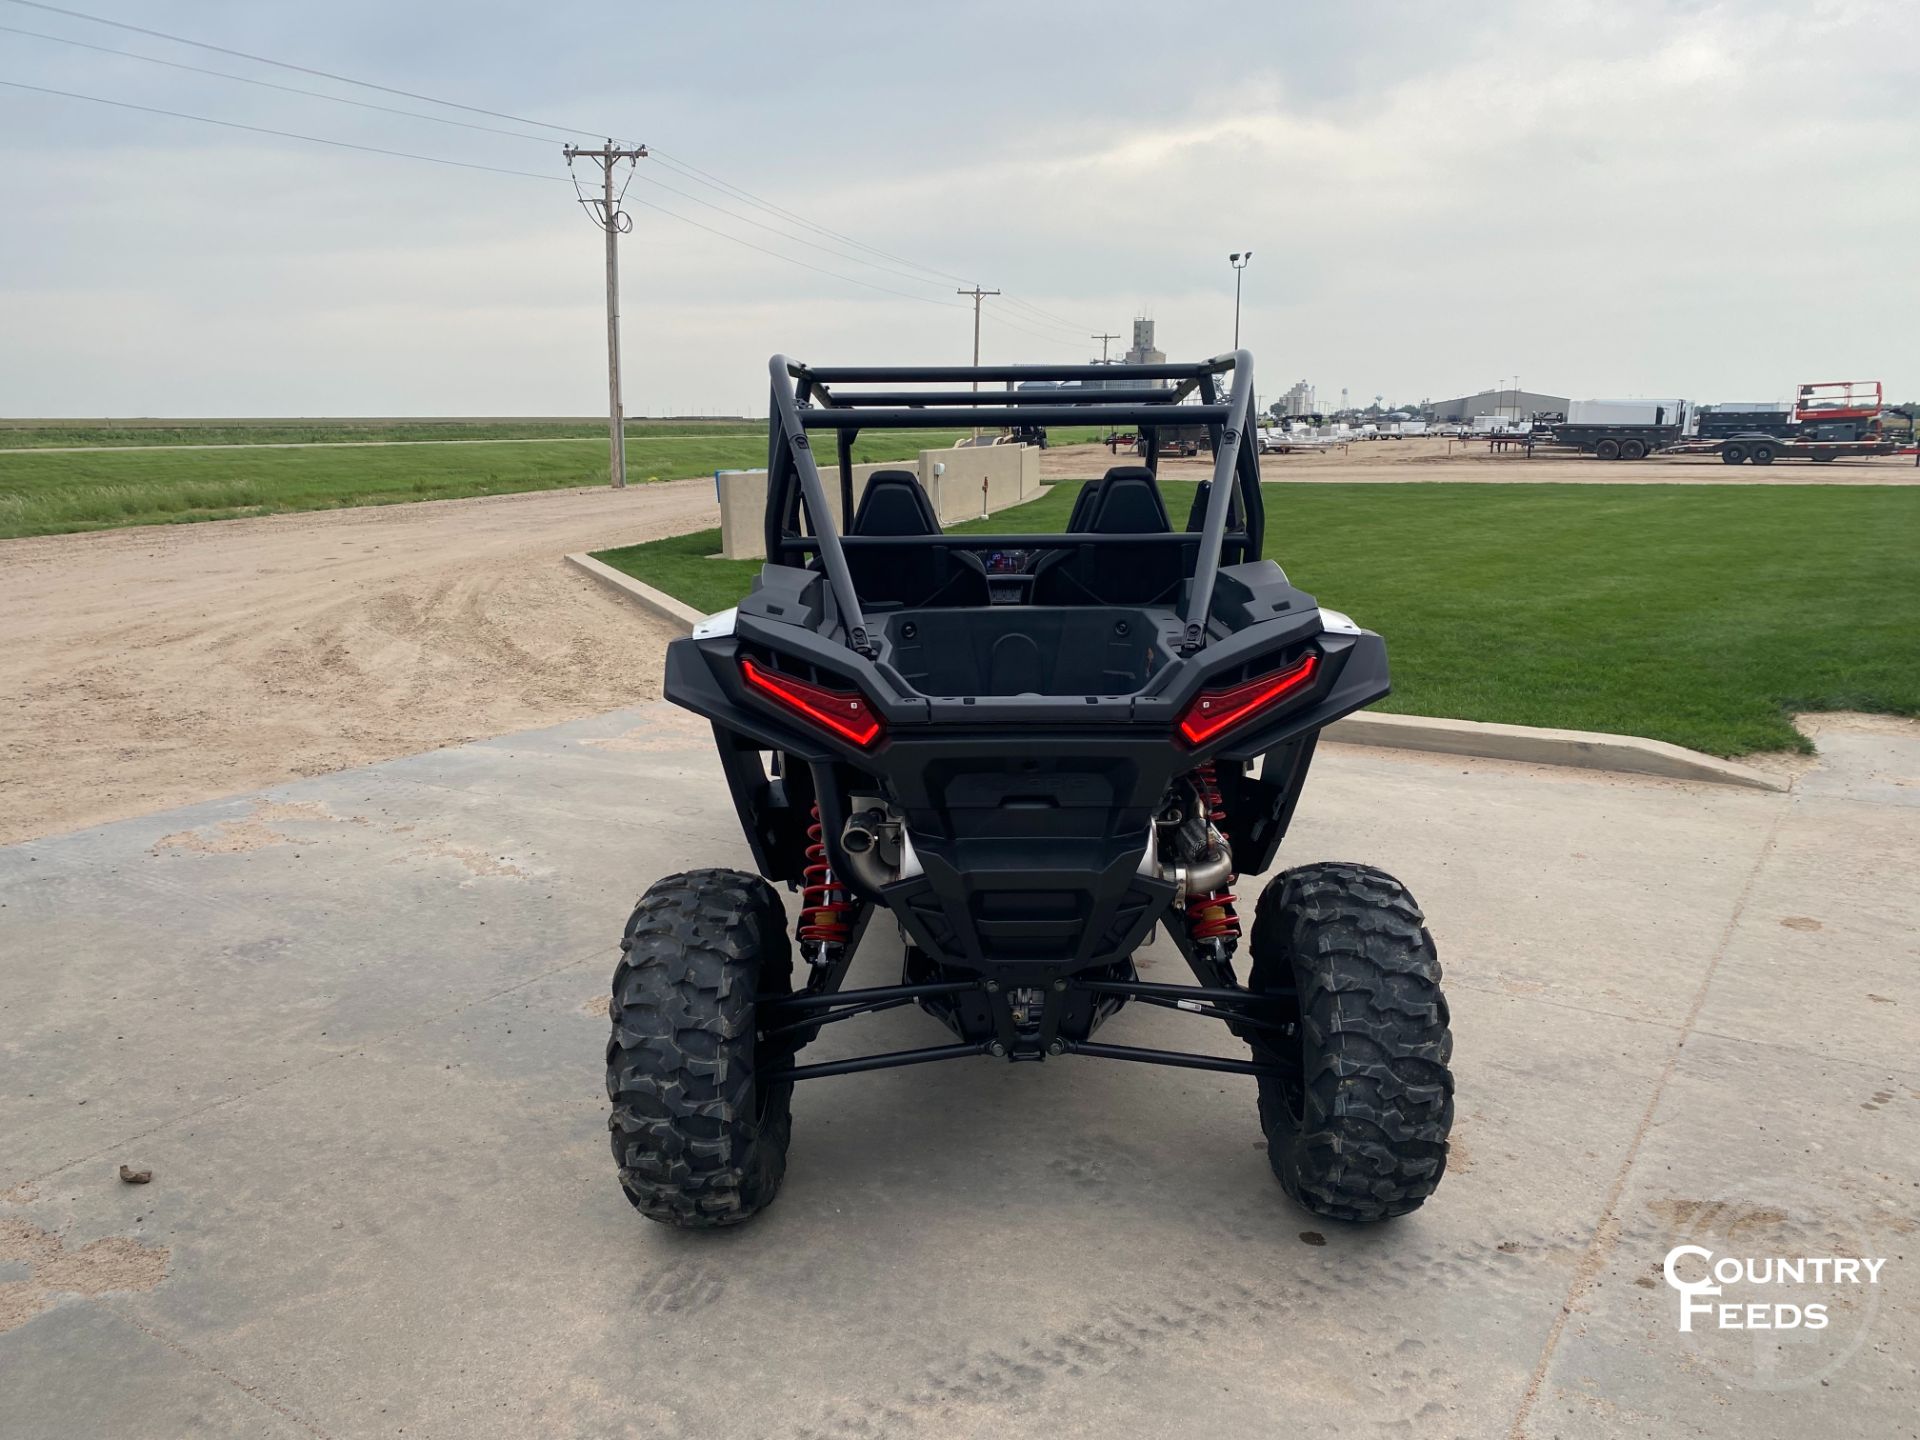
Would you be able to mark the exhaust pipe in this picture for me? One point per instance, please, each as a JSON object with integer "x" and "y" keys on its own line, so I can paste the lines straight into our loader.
{"x": 877, "y": 848}
{"x": 1209, "y": 872}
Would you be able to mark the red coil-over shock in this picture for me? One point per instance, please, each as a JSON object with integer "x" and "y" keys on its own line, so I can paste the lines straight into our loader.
{"x": 826, "y": 909}
{"x": 1212, "y": 916}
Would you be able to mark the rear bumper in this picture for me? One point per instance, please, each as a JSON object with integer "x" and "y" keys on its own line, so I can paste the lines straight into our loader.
{"x": 1029, "y": 816}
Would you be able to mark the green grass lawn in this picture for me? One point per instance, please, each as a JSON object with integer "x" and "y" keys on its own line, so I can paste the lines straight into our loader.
{"x": 50, "y": 494}
{"x": 1695, "y": 614}
{"x": 20, "y": 436}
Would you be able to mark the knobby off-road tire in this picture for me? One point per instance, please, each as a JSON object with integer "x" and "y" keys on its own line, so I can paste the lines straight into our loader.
{"x": 1361, "y": 1132}
{"x": 699, "y": 1140}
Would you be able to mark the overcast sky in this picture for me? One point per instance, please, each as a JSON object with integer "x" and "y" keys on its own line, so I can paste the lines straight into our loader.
{"x": 1711, "y": 201}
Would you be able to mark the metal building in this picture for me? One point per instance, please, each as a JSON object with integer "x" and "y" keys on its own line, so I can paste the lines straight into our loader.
{"x": 1513, "y": 404}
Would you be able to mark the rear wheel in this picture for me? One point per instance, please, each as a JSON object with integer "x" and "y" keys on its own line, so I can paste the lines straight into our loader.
{"x": 700, "y": 1139}
{"x": 1633, "y": 449}
{"x": 1824, "y": 457}
{"x": 1732, "y": 454}
{"x": 1357, "y": 1128}
{"x": 1607, "y": 450}
{"x": 1762, "y": 455}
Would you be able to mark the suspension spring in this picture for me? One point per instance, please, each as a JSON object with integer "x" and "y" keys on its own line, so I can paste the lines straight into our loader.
{"x": 1212, "y": 916}
{"x": 826, "y": 909}
{"x": 1207, "y": 782}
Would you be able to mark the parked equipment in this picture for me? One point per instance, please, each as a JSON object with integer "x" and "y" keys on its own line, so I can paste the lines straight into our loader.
{"x": 1829, "y": 420}
{"x": 1622, "y": 429}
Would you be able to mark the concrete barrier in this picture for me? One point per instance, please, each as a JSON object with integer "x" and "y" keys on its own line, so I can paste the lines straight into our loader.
{"x": 963, "y": 484}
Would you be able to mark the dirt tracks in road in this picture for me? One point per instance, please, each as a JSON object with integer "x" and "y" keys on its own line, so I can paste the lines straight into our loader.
{"x": 163, "y": 665}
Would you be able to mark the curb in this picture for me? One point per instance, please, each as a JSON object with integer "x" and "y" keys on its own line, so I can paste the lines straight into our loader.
{"x": 1575, "y": 749}
{"x": 656, "y": 602}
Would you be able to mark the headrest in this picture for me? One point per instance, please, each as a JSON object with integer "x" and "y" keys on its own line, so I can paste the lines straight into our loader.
{"x": 1130, "y": 503}
{"x": 1082, "y": 517}
{"x": 894, "y": 504}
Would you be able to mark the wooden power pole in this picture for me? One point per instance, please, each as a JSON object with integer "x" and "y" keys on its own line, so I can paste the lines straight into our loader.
{"x": 976, "y": 292}
{"x": 1103, "y": 339}
{"x": 607, "y": 213}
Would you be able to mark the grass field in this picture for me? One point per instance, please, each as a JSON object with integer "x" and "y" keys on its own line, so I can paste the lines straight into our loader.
{"x": 1698, "y": 615}
{"x": 100, "y": 488}
{"x": 28, "y": 435}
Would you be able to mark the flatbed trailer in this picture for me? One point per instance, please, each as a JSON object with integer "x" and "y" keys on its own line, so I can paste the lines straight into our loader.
{"x": 1763, "y": 448}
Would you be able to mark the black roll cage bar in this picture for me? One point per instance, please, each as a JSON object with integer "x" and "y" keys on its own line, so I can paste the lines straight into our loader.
{"x": 799, "y": 519}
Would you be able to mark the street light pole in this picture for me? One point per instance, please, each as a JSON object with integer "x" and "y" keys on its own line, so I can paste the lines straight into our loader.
{"x": 1238, "y": 260}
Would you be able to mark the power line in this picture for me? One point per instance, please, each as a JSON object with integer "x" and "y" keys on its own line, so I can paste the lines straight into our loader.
{"x": 1046, "y": 315}
{"x": 693, "y": 172}
{"x": 796, "y": 239}
{"x": 804, "y": 265}
{"x": 270, "y": 85}
{"x": 1002, "y": 319}
{"x": 466, "y": 165}
{"x": 282, "y": 134}
{"x": 303, "y": 69}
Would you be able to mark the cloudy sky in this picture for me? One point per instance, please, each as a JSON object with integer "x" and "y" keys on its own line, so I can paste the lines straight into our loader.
{"x": 1621, "y": 198}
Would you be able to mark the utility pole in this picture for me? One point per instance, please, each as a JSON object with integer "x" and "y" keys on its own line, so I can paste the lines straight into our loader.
{"x": 608, "y": 215}
{"x": 1103, "y": 339}
{"x": 1239, "y": 261}
{"x": 976, "y": 292}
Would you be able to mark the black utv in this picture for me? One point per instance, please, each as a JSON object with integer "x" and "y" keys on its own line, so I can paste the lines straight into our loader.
{"x": 1030, "y": 751}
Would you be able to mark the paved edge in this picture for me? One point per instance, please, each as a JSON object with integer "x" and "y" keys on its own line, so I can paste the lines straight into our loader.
{"x": 656, "y": 602}
{"x": 1578, "y": 749}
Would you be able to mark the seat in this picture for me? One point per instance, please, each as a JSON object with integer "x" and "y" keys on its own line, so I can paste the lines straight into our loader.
{"x": 908, "y": 576}
{"x": 1197, "y": 514}
{"x": 1126, "y": 501}
{"x": 1129, "y": 503}
{"x": 1081, "y": 519}
{"x": 894, "y": 504}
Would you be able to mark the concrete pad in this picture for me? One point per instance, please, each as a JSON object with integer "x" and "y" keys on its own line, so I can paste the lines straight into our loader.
{"x": 1754, "y": 1151}
{"x": 355, "y": 1026}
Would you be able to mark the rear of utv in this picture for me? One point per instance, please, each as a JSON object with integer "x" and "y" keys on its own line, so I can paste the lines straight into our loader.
{"x": 1031, "y": 752}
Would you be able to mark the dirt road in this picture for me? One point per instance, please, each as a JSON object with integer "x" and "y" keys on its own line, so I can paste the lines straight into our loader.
{"x": 155, "y": 666}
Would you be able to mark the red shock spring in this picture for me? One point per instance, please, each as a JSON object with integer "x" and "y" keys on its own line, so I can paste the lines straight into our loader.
{"x": 826, "y": 909}
{"x": 1208, "y": 784}
{"x": 1212, "y": 916}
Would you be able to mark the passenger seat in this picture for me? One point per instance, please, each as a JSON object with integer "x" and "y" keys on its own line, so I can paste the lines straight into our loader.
{"x": 909, "y": 576}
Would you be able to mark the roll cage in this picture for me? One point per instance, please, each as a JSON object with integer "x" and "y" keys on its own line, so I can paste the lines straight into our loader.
{"x": 800, "y": 525}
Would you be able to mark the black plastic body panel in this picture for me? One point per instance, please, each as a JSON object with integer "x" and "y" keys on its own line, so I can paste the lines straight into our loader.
{"x": 1029, "y": 814}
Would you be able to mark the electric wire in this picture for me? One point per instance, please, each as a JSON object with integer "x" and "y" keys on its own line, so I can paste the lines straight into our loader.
{"x": 303, "y": 69}
{"x": 695, "y": 173}
{"x": 467, "y": 165}
{"x": 282, "y": 134}
{"x": 682, "y": 167}
{"x": 272, "y": 85}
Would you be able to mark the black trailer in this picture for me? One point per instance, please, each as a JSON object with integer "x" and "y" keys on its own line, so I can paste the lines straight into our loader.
{"x": 1629, "y": 441}
{"x": 1763, "y": 447}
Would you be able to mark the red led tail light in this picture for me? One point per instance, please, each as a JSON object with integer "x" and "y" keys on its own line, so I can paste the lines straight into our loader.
{"x": 845, "y": 713}
{"x": 1214, "y": 712}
